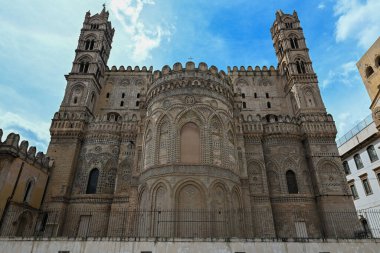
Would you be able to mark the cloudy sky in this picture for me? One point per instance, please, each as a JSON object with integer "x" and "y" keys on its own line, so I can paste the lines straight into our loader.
{"x": 38, "y": 39}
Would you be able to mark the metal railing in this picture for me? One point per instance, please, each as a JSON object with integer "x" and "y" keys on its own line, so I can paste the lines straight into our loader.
{"x": 218, "y": 224}
{"x": 355, "y": 130}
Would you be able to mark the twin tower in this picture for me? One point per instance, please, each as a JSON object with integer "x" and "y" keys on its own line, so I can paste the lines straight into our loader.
{"x": 250, "y": 152}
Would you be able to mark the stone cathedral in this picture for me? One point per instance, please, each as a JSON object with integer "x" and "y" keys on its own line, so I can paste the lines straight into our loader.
{"x": 253, "y": 148}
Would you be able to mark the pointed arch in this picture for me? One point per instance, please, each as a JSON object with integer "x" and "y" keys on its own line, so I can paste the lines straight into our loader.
{"x": 291, "y": 182}
{"x": 164, "y": 136}
{"x": 92, "y": 182}
{"x": 148, "y": 157}
{"x": 216, "y": 133}
{"x": 190, "y": 143}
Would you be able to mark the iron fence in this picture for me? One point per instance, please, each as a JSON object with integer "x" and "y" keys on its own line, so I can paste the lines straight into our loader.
{"x": 246, "y": 224}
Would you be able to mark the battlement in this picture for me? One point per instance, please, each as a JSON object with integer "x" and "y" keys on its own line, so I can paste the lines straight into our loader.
{"x": 130, "y": 69}
{"x": 242, "y": 71}
{"x": 22, "y": 150}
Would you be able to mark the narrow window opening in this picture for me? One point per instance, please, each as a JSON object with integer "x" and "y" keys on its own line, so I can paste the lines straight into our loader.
{"x": 244, "y": 105}
{"x": 346, "y": 168}
{"x": 123, "y": 95}
{"x": 137, "y": 103}
{"x": 369, "y": 71}
{"x": 122, "y": 103}
{"x": 243, "y": 95}
{"x": 354, "y": 191}
{"x": 92, "y": 181}
{"x": 108, "y": 95}
{"x": 269, "y": 105}
{"x": 92, "y": 98}
{"x": 372, "y": 154}
{"x": 367, "y": 186}
{"x": 75, "y": 100}
{"x": 28, "y": 189}
{"x": 291, "y": 182}
{"x": 86, "y": 66}
{"x": 138, "y": 95}
{"x": 255, "y": 95}
{"x": 267, "y": 95}
{"x": 92, "y": 43}
{"x": 87, "y": 46}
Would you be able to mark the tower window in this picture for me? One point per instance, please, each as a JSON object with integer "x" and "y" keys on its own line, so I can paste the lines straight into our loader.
{"x": 123, "y": 95}
{"x": 75, "y": 100}
{"x": 83, "y": 67}
{"x": 138, "y": 95}
{"x": 289, "y": 25}
{"x": 122, "y": 103}
{"x": 97, "y": 73}
{"x": 294, "y": 43}
{"x": 255, "y": 95}
{"x": 94, "y": 26}
{"x": 377, "y": 61}
{"x": 291, "y": 182}
{"x": 137, "y": 103}
{"x": 89, "y": 45}
{"x": 243, "y": 95}
{"x": 92, "y": 97}
{"x": 244, "y": 105}
{"x": 372, "y": 153}
{"x": 108, "y": 95}
{"x": 269, "y": 105}
{"x": 369, "y": 71}
{"x": 92, "y": 181}
{"x": 280, "y": 49}
{"x": 267, "y": 95}
{"x": 300, "y": 66}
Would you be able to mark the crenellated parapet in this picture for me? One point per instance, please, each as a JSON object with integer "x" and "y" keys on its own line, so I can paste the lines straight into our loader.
{"x": 12, "y": 146}
{"x": 136, "y": 69}
{"x": 257, "y": 71}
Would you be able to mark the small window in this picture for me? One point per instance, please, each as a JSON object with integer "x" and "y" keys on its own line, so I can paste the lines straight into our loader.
{"x": 255, "y": 95}
{"x": 92, "y": 97}
{"x": 369, "y": 71}
{"x": 108, "y": 95}
{"x": 122, "y": 103}
{"x": 75, "y": 100}
{"x": 138, "y": 95}
{"x": 372, "y": 153}
{"x": 366, "y": 186}
{"x": 358, "y": 161}
{"x": 92, "y": 181}
{"x": 242, "y": 95}
{"x": 267, "y": 95}
{"x": 244, "y": 105}
{"x": 377, "y": 61}
{"x": 268, "y": 105}
{"x": 294, "y": 43}
{"x": 291, "y": 181}
{"x": 300, "y": 66}
{"x": 346, "y": 168}
{"x": 123, "y": 95}
{"x": 354, "y": 191}
{"x": 137, "y": 103}
{"x": 28, "y": 190}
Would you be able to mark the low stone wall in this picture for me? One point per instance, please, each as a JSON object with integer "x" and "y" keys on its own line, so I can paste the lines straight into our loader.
{"x": 93, "y": 245}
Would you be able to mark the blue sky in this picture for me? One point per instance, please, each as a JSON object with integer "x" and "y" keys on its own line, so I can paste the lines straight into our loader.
{"x": 38, "y": 39}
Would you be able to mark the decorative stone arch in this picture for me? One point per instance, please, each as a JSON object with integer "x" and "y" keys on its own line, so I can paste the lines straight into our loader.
{"x": 274, "y": 178}
{"x": 236, "y": 196}
{"x": 218, "y": 196}
{"x": 330, "y": 177}
{"x": 24, "y": 224}
{"x": 216, "y": 132}
{"x": 163, "y": 146}
{"x": 143, "y": 197}
{"x": 230, "y": 152}
{"x": 108, "y": 177}
{"x": 77, "y": 92}
{"x": 256, "y": 177}
{"x": 190, "y": 194}
{"x": 28, "y": 190}
{"x": 310, "y": 97}
{"x": 194, "y": 132}
{"x": 85, "y": 57}
{"x": 160, "y": 195}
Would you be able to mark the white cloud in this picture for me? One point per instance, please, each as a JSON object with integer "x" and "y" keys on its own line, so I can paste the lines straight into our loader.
{"x": 12, "y": 122}
{"x": 345, "y": 73}
{"x": 142, "y": 39}
{"x": 358, "y": 20}
{"x": 321, "y": 6}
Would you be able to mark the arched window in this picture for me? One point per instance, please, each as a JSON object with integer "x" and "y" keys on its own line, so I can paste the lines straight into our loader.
{"x": 377, "y": 61}
{"x": 108, "y": 95}
{"x": 267, "y": 95}
{"x": 269, "y": 105}
{"x": 243, "y": 95}
{"x": 123, "y": 95}
{"x": 138, "y": 95}
{"x": 122, "y": 103}
{"x": 28, "y": 190}
{"x": 83, "y": 67}
{"x": 89, "y": 45}
{"x": 244, "y": 105}
{"x": 372, "y": 153}
{"x": 75, "y": 100}
{"x": 291, "y": 181}
{"x": 92, "y": 181}
{"x": 137, "y": 103}
{"x": 368, "y": 71}
{"x": 300, "y": 66}
{"x": 280, "y": 49}
{"x": 358, "y": 161}
{"x": 294, "y": 43}
{"x": 190, "y": 143}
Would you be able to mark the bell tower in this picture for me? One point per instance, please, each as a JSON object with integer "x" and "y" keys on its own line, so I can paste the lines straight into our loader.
{"x": 84, "y": 84}
{"x": 294, "y": 62}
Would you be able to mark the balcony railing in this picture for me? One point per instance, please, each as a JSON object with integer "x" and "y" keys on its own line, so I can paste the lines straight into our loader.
{"x": 355, "y": 130}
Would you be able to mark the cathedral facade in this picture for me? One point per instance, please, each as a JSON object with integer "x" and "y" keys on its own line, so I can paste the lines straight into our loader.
{"x": 253, "y": 145}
